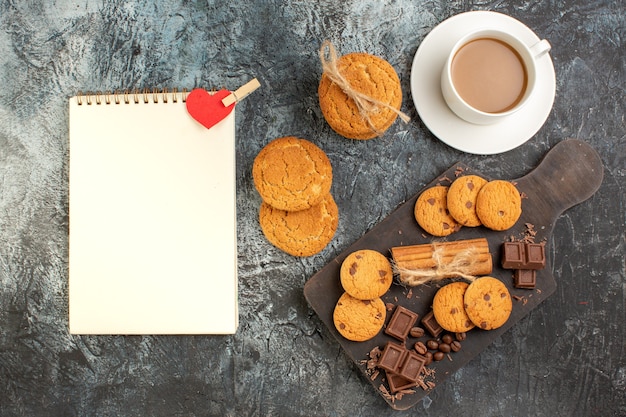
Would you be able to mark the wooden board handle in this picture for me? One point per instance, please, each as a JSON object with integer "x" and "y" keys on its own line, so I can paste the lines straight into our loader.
{"x": 570, "y": 173}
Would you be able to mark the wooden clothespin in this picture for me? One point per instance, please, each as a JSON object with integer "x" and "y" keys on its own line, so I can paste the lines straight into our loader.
{"x": 241, "y": 93}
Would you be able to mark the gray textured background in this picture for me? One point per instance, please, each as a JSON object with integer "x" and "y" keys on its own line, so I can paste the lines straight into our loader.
{"x": 566, "y": 358}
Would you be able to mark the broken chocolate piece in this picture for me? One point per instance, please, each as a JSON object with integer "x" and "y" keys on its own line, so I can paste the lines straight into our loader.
{"x": 392, "y": 357}
{"x": 523, "y": 255}
{"x": 535, "y": 256}
{"x": 402, "y": 366}
{"x": 430, "y": 323}
{"x": 513, "y": 255}
{"x": 401, "y": 323}
{"x": 398, "y": 382}
{"x": 412, "y": 366}
{"x": 524, "y": 278}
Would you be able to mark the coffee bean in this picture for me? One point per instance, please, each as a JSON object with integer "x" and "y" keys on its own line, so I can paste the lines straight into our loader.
{"x": 447, "y": 338}
{"x": 420, "y": 348}
{"x": 461, "y": 336}
{"x": 429, "y": 358}
{"x": 444, "y": 347}
{"x": 416, "y": 332}
{"x": 432, "y": 344}
{"x": 455, "y": 346}
{"x": 439, "y": 356}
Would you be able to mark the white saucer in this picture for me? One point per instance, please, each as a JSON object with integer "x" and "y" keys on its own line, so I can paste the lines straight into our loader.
{"x": 454, "y": 131}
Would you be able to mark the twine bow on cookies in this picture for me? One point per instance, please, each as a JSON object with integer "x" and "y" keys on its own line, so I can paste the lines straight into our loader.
{"x": 366, "y": 104}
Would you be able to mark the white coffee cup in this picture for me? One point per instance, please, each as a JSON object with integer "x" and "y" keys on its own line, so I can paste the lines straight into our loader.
{"x": 476, "y": 101}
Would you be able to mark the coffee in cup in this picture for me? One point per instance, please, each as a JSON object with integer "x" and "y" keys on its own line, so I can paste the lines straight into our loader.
{"x": 489, "y": 75}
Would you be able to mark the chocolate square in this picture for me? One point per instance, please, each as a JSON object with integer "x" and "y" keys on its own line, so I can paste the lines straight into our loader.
{"x": 412, "y": 366}
{"x": 430, "y": 323}
{"x": 398, "y": 383}
{"x": 535, "y": 256}
{"x": 400, "y": 323}
{"x": 392, "y": 357}
{"x": 524, "y": 278}
{"x": 513, "y": 255}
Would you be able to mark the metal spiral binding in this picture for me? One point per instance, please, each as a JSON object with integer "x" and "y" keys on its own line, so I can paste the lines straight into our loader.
{"x": 135, "y": 96}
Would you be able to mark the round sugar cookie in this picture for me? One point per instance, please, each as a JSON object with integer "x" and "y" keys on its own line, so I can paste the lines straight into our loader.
{"x": 449, "y": 308}
{"x": 366, "y": 274}
{"x": 359, "y": 320}
{"x": 292, "y": 174}
{"x": 431, "y": 212}
{"x": 369, "y": 75}
{"x": 300, "y": 233}
{"x": 461, "y": 199}
{"x": 498, "y": 205}
{"x": 488, "y": 303}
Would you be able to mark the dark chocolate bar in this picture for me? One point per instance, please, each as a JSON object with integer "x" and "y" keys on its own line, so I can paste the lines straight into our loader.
{"x": 535, "y": 256}
{"x": 524, "y": 278}
{"x": 392, "y": 357}
{"x": 522, "y": 255}
{"x": 397, "y": 382}
{"x": 430, "y": 323}
{"x": 513, "y": 255}
{"x": 402, "y": 366}
{"x": 401, "y": 323}
{"x": 412, "y": 366}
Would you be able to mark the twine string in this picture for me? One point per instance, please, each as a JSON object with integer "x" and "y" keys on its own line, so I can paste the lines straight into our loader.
{"x": 366, "y": 104}
{"x": 459, "y": 266}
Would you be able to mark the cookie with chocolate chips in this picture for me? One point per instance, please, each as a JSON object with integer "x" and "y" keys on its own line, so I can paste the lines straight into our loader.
{"x": 487, "y": 302}
{"x": 366, "y": 274}
{"x": 359, "y": 320}
{"x": 431, "y": 212}
{"x": 449, "y": 309}
{"x": 461, "y": 199}
{"x": 498, "y": 205}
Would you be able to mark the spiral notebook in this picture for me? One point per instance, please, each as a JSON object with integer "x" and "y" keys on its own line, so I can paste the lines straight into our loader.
{"x": 152, "y": 235}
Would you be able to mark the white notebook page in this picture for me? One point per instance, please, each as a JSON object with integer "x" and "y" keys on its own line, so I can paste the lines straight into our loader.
{"x": 152, "y": 241}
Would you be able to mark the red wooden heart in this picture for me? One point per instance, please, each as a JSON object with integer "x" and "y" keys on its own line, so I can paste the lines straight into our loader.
{"x": 206, "y": 108}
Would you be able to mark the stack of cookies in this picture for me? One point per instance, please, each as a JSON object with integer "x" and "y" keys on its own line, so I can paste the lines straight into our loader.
{"x": 359, "y": 78}
{"x": 360, "y": 313}
{"x": 469, "y": 201}
{"x": 298, "y": 214}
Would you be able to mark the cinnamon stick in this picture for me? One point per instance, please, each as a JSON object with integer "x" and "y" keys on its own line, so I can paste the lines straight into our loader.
{"x": 418, "y": 264}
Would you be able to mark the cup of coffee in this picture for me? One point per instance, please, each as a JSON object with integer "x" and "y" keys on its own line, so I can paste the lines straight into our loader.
{"x": 490, "y": 74}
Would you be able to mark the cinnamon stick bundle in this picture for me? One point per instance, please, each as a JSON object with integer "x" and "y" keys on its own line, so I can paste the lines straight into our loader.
{"x": 419, "y": 264}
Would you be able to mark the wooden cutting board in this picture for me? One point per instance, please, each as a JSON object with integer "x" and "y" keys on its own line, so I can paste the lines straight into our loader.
{"x": 570, "y": 173}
